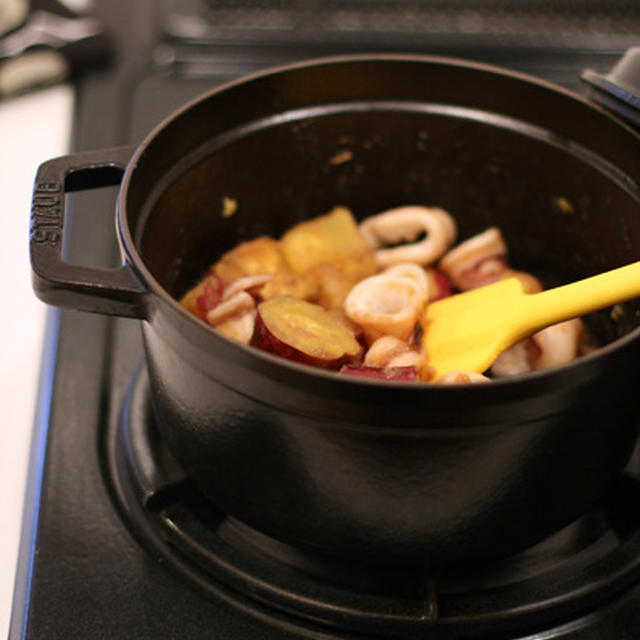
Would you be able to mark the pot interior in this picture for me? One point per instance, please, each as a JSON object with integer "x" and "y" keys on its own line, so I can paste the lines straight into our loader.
{"x": 566, "y": 212}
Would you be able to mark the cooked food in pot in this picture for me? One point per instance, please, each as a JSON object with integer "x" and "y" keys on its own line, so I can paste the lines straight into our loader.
{"x": 337, "y": 295}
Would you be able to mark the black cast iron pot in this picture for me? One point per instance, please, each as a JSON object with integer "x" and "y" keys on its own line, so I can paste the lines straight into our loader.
{"x": 394, "y": 472}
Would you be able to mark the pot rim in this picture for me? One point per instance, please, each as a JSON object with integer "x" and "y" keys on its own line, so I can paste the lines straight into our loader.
{"x": 557, "y": 374}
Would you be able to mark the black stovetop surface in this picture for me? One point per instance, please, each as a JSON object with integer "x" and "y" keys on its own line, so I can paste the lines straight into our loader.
{"x": 87, "y": 569}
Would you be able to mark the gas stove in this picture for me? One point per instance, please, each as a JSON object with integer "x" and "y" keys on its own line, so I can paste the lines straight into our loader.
{"x": 117, "y": 541}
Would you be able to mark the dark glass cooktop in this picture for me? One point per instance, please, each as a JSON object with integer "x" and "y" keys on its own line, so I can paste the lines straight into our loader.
{"x": 117, "y": 543}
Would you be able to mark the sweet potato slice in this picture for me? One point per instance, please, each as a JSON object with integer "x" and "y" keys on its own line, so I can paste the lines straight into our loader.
{"x": 304, "y": 332}
{"x": 262, "y": 255}
{"x": 333, "y": 238}
{"x": 333, "y": 284}
{"x": 288, "y": 283}
{"x": 439, "y": 285}
{"x": 204, "y": 296}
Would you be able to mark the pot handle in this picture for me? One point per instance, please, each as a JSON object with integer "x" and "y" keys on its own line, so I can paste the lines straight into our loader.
{"x": 110, "y": 291}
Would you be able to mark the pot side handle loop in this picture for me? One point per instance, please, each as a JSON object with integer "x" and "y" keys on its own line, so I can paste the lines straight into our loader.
{"x": 110, "y": 291}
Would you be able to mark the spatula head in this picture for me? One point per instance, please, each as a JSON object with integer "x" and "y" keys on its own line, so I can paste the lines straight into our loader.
{"x": 468, "y": 331}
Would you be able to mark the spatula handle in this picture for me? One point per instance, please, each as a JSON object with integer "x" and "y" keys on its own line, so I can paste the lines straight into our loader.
{"x": 584, "y": 296}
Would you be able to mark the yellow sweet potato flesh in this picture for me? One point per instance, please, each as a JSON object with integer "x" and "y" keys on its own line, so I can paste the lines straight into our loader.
{"x": 302, "y": 331}
{"x": 288, "y": 283}
{"x": 262, "y": 255}
{"x": 332, "y": 238}
{"x": 333, "y": 284}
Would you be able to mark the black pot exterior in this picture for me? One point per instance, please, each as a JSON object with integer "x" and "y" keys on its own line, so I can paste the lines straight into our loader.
{"x": 388, "y": 472}
{"x": 435, "y": 476}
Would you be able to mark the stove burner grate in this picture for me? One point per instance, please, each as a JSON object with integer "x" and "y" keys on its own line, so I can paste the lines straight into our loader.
{"x": 573, "y": 572}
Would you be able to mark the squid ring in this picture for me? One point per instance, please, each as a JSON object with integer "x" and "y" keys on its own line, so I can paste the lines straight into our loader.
{"x": 459, "y": 264}
{"x": 406, "y": 224}
{"x": 385, "y": 305}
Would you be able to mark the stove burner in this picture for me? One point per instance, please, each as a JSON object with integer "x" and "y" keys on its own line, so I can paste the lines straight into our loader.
{"x": 584, "y": 565}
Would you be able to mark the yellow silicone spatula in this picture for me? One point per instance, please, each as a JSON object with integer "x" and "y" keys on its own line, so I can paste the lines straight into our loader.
{"x": 468, "y": 331}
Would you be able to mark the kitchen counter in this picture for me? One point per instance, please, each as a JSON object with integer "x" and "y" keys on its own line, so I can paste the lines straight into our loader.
{"x": 33, "y": 128}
